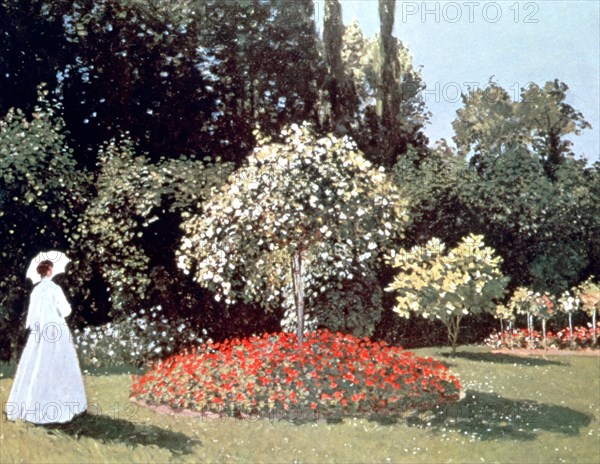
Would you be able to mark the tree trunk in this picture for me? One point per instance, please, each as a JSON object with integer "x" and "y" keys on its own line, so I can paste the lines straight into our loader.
{"x": 544, "y": 330}
{"x": 298, "y": 294}
{"x": 570, "y": 327}
{"x": 453, "y": 328}
{"x": 530, "y": 329}
{"x": 595, "y": 338}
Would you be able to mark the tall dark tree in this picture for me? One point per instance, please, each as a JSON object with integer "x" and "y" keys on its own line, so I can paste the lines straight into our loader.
{"x": 388, "y": 100}
{"x": 293, "y": 67}
{"x": 190, "y": 77}
{"x": 342, "y": 100}
{"x": 389, "y": 97}
{"x": 385, "y": 138}
{"x": 32, "y": 49}
{"x": 140, "y": 68}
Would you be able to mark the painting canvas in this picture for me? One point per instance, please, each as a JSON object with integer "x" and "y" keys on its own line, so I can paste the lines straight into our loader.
{"x": 299, "y": 231}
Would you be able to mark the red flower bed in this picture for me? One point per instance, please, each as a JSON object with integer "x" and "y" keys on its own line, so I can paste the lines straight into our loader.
{"x": 333, "y": 372}
{"x": 582, "y": 337}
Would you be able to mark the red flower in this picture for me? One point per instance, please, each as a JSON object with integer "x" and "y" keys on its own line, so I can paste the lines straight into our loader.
{"x": 258, "y": 372}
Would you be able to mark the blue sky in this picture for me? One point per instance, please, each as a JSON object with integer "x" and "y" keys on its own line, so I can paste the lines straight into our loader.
{"x": 517, "y": 42}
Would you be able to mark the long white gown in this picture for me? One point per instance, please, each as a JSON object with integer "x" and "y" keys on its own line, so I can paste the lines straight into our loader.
{"x": 48, "y": 385}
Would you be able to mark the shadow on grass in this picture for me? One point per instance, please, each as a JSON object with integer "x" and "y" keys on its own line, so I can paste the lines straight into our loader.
{"x": 489, "y": 417}
{"x": 106, "y": 429}
{"x": 502, "y": 358}
{"x": 112, "y": 370}
{"x": 9, "y": 370}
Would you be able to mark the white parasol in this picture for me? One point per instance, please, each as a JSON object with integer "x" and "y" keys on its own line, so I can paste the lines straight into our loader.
{"x": 59, "y": 261}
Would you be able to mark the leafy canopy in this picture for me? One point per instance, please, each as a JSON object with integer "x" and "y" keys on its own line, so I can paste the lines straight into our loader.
{"x": 492, "y": 122}
{"x": 117, "y": 234}
{"x": 41, "y": 194}
{"x": 315, "y": 196}
{"x": 588, "y": 293}
{"x": 447, "y": 285}
{"x": 527, "y": 302}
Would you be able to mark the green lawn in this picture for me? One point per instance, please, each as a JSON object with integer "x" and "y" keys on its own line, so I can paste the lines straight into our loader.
{"x": 542, "y": 409}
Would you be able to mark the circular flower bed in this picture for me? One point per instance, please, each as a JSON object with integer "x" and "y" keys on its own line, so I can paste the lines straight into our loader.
{"x": 331, "y": 373}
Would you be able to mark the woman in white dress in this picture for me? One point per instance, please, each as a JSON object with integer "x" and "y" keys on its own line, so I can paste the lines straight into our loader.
{"x": 48, "y": 386}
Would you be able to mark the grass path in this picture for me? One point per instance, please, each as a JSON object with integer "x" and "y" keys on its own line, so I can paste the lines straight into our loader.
{"x": 542, "y": 409}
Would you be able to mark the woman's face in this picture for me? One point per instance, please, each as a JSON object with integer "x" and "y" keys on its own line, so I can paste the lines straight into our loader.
{"x": 49, "y": 273}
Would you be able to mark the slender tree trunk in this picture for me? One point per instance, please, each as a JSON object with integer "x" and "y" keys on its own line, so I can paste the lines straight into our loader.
{"x": 298, "y": 294}
{"x": 530, "y": 329}
{"x": 571, "y": 340}
{"x": 595, "y": 337}
{"x": 544, "y": 331}
{"x": 453, "y": 328}
{"x": 570, "y": 327}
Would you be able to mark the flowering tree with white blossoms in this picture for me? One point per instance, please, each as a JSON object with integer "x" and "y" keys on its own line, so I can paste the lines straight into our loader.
{"x": 299, "y": 215}
{"x": 529, "y": 303}
{"x": 545, "y": 310}
{"x": 588, "y": 293}
{"x": 448, "y": 285}
{"x": 569, "y": 304}
{"x": 521, "y": 302}
{"x": 504, "y": 313}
